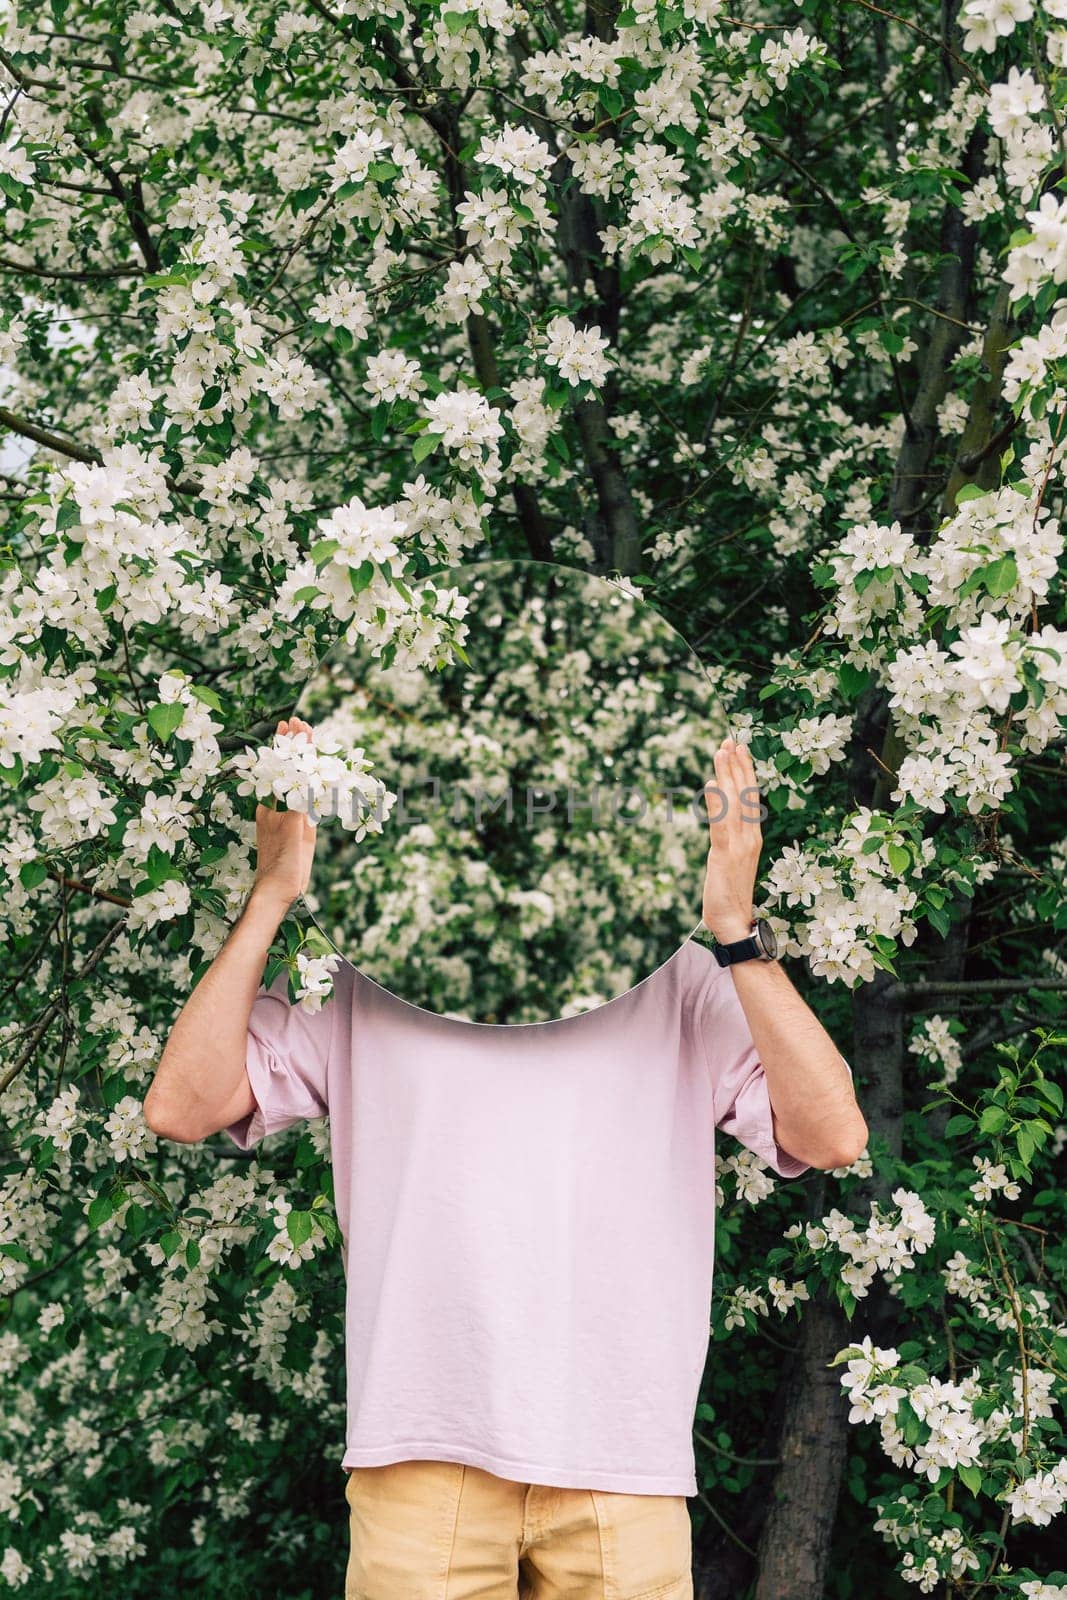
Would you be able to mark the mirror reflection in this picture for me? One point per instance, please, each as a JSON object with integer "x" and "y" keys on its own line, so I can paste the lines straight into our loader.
{"x": 532, "y": 837}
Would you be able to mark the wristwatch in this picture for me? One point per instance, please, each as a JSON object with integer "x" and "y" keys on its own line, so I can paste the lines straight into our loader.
{"x": 760, "y": 944}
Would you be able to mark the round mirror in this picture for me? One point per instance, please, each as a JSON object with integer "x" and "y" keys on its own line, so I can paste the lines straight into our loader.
{"x": 531, "y": 838}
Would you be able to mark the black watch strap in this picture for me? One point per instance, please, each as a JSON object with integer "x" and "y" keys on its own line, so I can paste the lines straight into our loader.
{"x": 757, "y": 945}
{"x": 746, "y": 949}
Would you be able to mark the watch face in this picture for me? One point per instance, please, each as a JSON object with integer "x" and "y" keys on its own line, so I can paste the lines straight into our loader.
{"x": 766, "y": 936}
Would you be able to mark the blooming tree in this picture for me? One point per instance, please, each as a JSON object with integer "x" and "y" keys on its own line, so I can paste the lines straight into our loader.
{"x": 303, "y": 302}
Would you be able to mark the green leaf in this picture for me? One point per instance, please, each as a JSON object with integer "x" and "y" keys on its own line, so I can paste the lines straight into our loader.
{"x": 955, "y": 1126}
{"x": 852, "y": 679}
{"x": 1032, "y": 679}
{"x": 680, "y": 136}
{"x": 165, "y": 280}
{"x": 425, "y": 445}
{"x": 381, "y": 171}
{"x": 330, "y": 1229}
{"x": 1000, "y": 577}
{"x": 899, "y": 858}
{"x": 152, "y": 1357}
{"x": 910, "y": 1424}
{"x": 206, "y": 696}
{"x": 305, "y": 1155}
{"x": 883, "y": 952}
{"x": 31, "y": 873}
{"x": 164, "y": 719}
{"x": 456, "y": 21}
{"x": 299, "y": 1226}
{"x": 1052, "y": 1092}
{"x": 323, "y": 550}
{"x": 361, "y": 577}
{"x": 970, "y": 491}
{"x": 100, "y": 1210}
{"x": 972, "y": 1477}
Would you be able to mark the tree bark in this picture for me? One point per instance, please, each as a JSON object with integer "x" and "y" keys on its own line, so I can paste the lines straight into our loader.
{"x": 814, "y": 1445}
{"x": 617, "y": 540}
{"x": 479, "y": 330}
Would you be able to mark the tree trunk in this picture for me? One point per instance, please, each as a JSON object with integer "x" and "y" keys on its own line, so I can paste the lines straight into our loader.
{"x": 798, "y": 1529}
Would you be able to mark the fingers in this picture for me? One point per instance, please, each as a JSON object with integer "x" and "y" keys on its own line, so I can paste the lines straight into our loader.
{"x": 733, "y": 797}
{"x": 294, "y": 725}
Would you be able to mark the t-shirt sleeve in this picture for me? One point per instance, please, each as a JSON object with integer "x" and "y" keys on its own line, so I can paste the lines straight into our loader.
{"x": 287, "y": 1058}
{"x": 739, "y": 1082}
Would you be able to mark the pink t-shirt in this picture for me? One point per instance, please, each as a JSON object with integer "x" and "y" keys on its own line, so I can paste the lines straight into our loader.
{"x": 527, "y": 1216}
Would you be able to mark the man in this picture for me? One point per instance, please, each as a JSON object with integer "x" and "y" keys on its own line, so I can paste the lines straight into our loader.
{"x": 527, "y": 1216}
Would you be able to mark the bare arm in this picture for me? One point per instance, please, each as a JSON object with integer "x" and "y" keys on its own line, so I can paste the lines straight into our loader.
{"x": 813, "y": 1105}
{"x": 201, "y": 1083}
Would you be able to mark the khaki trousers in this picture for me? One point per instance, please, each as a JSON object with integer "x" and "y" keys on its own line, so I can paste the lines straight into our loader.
{"x": 440, "y": 1530}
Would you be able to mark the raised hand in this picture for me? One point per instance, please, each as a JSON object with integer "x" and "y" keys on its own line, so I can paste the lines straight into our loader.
{"x": 285, "y": 842}
{"x": 736, "y": 840}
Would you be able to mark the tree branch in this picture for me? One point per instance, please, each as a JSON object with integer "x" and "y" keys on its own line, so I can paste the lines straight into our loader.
{"x": 40, "y": 1027}
{"x": 30, "y": 269}
{"x": 912, "y": 995}
{"x": 67, "y": 447}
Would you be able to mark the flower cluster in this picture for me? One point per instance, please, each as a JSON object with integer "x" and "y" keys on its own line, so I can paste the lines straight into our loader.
{"x": 888, "y": 1244}
{"x": 318, "y": 777}
{"x": 957, "y": 1424}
